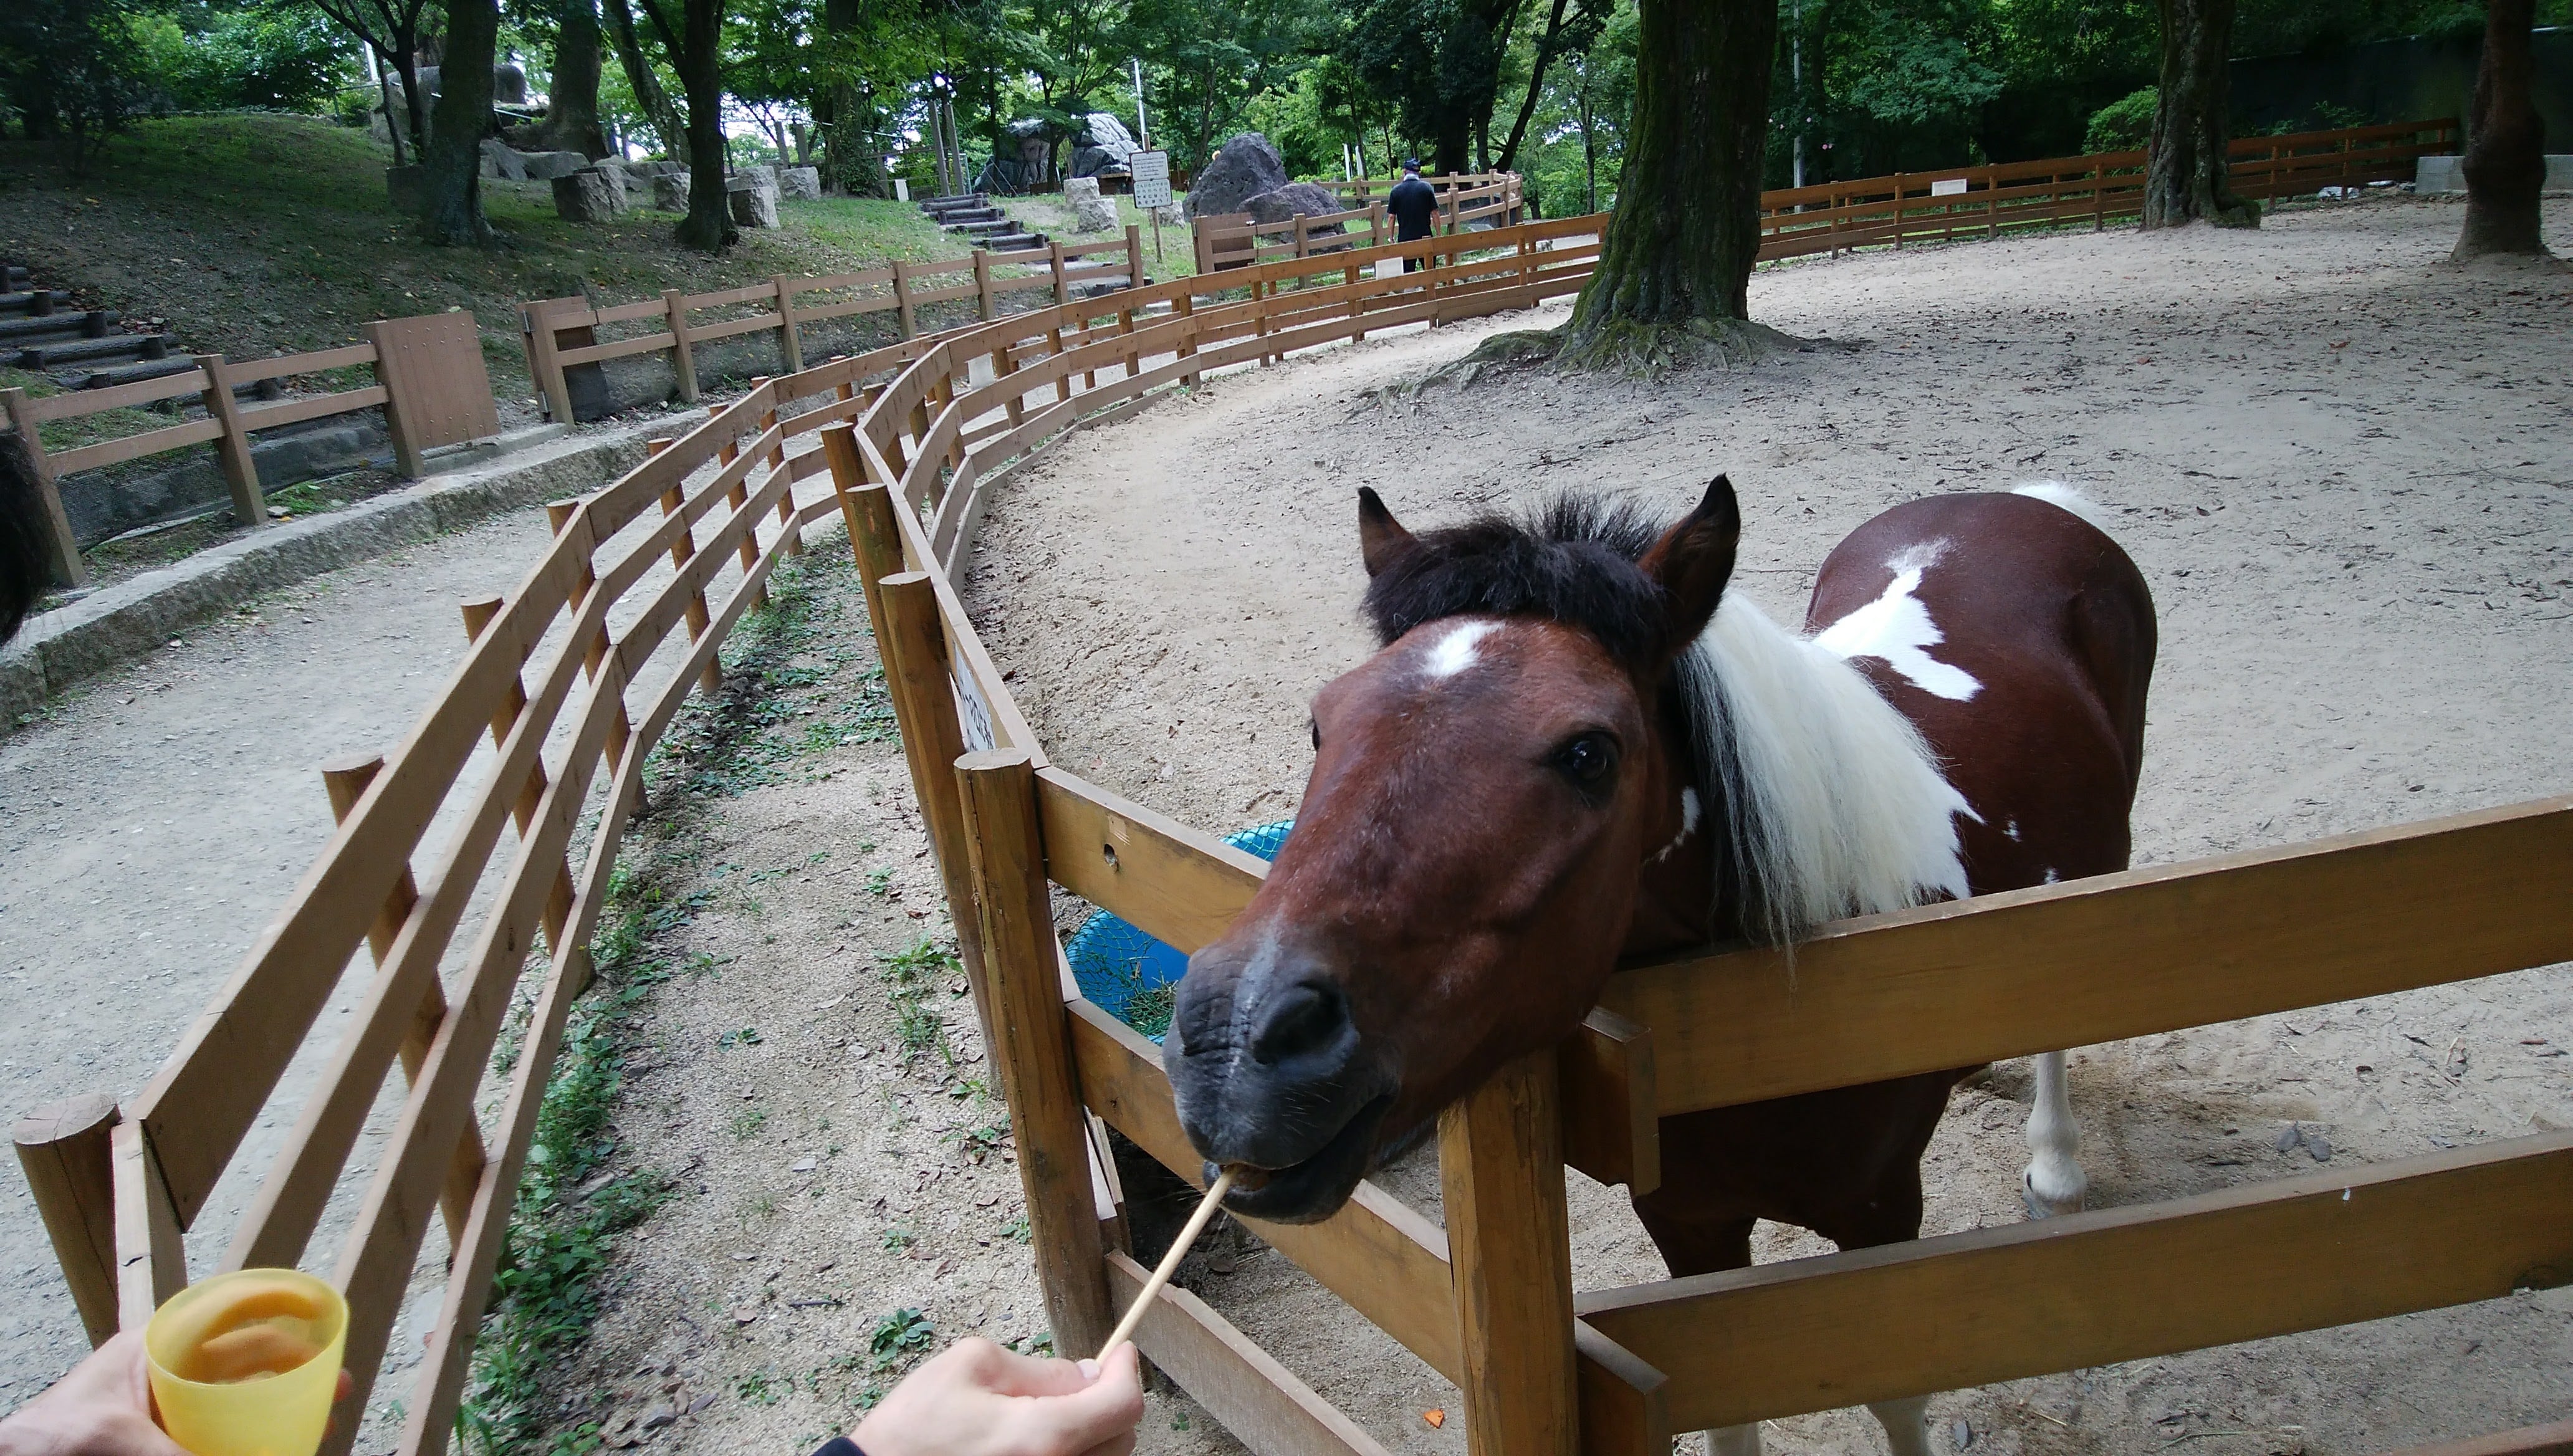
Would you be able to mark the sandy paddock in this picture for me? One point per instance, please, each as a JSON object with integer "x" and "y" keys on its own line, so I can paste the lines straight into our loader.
{"x": 2345, "y": 471}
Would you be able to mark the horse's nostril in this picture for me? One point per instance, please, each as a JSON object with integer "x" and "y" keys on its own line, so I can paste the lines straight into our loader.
{"x": 1300, "y": 1021}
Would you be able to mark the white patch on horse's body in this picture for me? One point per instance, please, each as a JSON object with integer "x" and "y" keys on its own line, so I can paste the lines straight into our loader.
{"x": 1689, "y": 813}
{"x": 2052, "y": 878}
{"x": 2057, "y": 493}
{"x": 1837, "y": 806}
{"x": 2010, "y": 831}
{"x": 1895, "y": 629}
{"x": 1454, "y": 653}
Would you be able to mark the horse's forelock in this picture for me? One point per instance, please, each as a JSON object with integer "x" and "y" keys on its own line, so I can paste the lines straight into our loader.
{"x": 1573, "y": 562}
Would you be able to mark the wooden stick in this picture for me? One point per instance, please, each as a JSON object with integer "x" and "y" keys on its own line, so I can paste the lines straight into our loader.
{"x": 1169, "y": 1262}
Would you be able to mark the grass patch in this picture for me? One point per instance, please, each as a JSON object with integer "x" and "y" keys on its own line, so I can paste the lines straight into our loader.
{"x": 570, "y": 1205}
{"x": 255, "y": 232}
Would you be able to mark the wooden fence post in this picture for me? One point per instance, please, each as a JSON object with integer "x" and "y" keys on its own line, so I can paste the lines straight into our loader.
{"x": 1061, "y": 280}
{"x": 409, "y": 459}
{"x": 683, "y": 354}
{"x": 790, "y": 344}
{"x": 983, "y": 301}
{"x": 478, "y": 612}
{"x": 1185, "y": 306}
{"x": 738, "y": 497}
{"x": 345, "y": 780}
{"x": 1134, "y": 255}
{"x": 1033, "y": 1049}
{"x": 903, "y": 316}
{"x": 536, "y": 324}
{"x": 64, "y": 1152}
{"x": 241, "y": 472}
{"x": 151, "y": 1241}
{"x": 1500, "y": 1164}
{"x": 787, "y": 530}
{"x": 681, "y": 550}
{"x": 917, "y": 661}
{"x": 62, "y": 551}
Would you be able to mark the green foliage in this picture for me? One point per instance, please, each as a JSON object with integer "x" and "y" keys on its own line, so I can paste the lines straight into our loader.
{"x": 197, "y": 57}
{"x": 899, "y": 1335}
{"x": 67, "y": 71}
{"x": 2123, "y": 125}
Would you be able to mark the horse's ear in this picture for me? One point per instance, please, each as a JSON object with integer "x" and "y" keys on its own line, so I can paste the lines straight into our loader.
{"x": 1382, "y": 538}
{"x": 1694, "y": 559}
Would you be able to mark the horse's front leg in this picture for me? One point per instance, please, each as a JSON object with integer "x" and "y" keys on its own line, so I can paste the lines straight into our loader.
{"x": 2054, "y": 1182}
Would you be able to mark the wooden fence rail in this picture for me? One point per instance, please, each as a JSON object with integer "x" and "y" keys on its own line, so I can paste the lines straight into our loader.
{"x": 914, "y": 438}
{"x": 430, "y": 381}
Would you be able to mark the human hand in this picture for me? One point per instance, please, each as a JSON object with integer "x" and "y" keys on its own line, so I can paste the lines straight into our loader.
{"x": 102, "y": 1408}
{"x": 977, "y": 1399}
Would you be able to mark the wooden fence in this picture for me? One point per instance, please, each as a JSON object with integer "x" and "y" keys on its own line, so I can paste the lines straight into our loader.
{"x": 1983, "y": 202}
{"x": 1488, "y": 1300}
{"x": 430, "y": 381}
{"x": 1233, "y": 240}
{"x": 563, "y": 334}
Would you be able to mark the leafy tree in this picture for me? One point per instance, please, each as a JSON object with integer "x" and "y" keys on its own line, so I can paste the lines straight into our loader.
{"x": 1440, "y": 63}
{"x": 2123, "y": 125}
{"x": 65, "y": 72}
{"x": 1564, "y": 33}
{"x": 2186, "y": 179}
{"x": 197, "y": 57}
{"x": 393, "y": 30}
{"x": 451, "y": 159}
{"x": 1206, "y": 59}
{"x": 2505, "y": 162}
{"x": 569, "y": 32}
{"x": 643, "y": 83}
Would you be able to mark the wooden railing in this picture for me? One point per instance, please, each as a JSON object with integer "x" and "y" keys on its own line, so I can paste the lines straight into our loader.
{"x": 430, "y": 383}
{"x": 1983, "y": 202}
{"x": 563, "y": 334}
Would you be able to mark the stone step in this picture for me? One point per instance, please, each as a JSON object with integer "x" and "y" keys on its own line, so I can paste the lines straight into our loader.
{"x": 981, "y": 226}
{"x": 26, "y": 332}
{"x": 116, "y": 347}
{"x": 33, "y": 303}
{"x": 1011, "y": 242}
{"x": 12, "y": 276}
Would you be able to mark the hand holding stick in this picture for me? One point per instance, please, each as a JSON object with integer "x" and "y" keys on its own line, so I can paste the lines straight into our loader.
{"x": 1170, "y": 1261}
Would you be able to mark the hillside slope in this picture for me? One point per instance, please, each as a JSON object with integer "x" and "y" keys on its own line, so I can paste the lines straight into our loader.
{"x": 251, "y": 234}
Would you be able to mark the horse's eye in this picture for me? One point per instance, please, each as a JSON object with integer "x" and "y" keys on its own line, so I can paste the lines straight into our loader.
{"x": 1587, "y": 760}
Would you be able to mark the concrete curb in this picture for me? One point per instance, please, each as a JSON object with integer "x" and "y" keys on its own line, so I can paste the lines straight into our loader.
{"x": 118, "y": 623}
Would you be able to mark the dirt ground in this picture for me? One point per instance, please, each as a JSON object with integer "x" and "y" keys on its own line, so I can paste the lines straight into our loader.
{"x": 2344, "y": 470}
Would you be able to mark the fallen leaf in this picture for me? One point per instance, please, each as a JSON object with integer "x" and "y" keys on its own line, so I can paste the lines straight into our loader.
{"x": 1436, "y": 1418}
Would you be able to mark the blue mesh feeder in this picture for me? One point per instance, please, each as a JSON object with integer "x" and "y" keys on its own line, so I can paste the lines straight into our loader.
{"x": 1131, "y": 975}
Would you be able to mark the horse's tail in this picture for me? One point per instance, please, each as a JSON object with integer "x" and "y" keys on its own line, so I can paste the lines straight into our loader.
{"x": 2056, "y": 493}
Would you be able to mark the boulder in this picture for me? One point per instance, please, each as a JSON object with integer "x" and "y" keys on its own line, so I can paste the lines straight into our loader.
{"x": 801, "y": 182}
{"x": 502, "y": 161}
{"x": 1241, "y": 169}
{"x": 753, "y": 196}
{"x": 1091, "y": 213}
{"x": 671, "y": 191}
{"x": 1306, "y": 199}
{"x": 587, "y": 196}
{"x": 546, "y": 166}
{"x": 659, "y": 168}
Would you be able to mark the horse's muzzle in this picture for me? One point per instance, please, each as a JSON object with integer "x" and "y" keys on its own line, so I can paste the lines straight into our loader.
{"x": 1269, "y": 1072}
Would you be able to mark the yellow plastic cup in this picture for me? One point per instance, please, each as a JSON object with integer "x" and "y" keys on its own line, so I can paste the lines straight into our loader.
{"x": 195, "y": 1345}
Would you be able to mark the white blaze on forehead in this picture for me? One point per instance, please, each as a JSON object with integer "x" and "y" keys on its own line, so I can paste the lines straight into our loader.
{"x": 1454, "y": 653}
{"x": 1895, "y": 629}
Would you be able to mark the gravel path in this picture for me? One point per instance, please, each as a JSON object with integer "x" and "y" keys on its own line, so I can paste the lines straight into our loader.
{"x": 154, "y": 820}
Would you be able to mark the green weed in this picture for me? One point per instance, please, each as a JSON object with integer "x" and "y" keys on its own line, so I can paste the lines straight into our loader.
{"x": 747, "y": 1122}
{"x": 899, "y": 1335}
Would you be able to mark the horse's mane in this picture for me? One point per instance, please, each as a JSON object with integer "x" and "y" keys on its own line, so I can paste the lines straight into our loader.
{"x": 1827, "y": 800}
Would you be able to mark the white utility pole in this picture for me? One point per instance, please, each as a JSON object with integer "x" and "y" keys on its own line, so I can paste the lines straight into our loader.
{"x": 1142, "y": 128}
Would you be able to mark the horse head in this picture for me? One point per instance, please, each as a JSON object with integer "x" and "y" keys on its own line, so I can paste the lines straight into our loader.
{"x": 1486, "y": 791}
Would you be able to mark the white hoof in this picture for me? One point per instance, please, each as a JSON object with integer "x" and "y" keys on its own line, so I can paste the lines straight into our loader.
{"x": 2041, "y": 1205}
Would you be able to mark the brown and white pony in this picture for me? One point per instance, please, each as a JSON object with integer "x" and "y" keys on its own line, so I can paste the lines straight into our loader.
{"x": 1575, "y": 746}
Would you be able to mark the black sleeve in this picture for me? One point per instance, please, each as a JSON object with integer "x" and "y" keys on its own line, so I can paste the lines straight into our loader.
{"x": 839, "y": 1447}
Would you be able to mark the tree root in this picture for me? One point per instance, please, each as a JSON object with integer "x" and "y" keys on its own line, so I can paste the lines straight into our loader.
{"x": 1622, "y": 347}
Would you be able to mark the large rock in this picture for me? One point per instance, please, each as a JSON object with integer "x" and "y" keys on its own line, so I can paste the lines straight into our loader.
{"x": 1243, "y": 167}
{"x": 546, "y": 166}
{"x": 659, "y": 168}
{"x": 753, "y": 196}
{"x": 1091, "y": 213}
{"x": 1304, "y": 198}
{"x": 588, "y": 196}
{"x": 502, "y": 161}
{"x": 801, "y": 182}
{"x": 671, "y": 191}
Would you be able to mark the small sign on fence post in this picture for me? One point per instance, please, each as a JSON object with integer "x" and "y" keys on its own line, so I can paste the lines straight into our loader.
{"x": 1151, "y": 188}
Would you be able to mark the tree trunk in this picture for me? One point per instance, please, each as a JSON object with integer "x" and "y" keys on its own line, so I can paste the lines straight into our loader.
{"x": 1679, "y": 248}
{"x": 2185, "y": 179}
{"x": 708, "y": 224}
{"x": 415, "y": 102}
{"x": 453, "y": 175}
{"x": 668, "y": 127}
{"x": 572, "y": 105}
{"x": 2505, "y": 162}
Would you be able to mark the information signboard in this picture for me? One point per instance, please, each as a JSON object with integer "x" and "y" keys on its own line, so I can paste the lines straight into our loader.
{"x": 1152, "y": 177}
